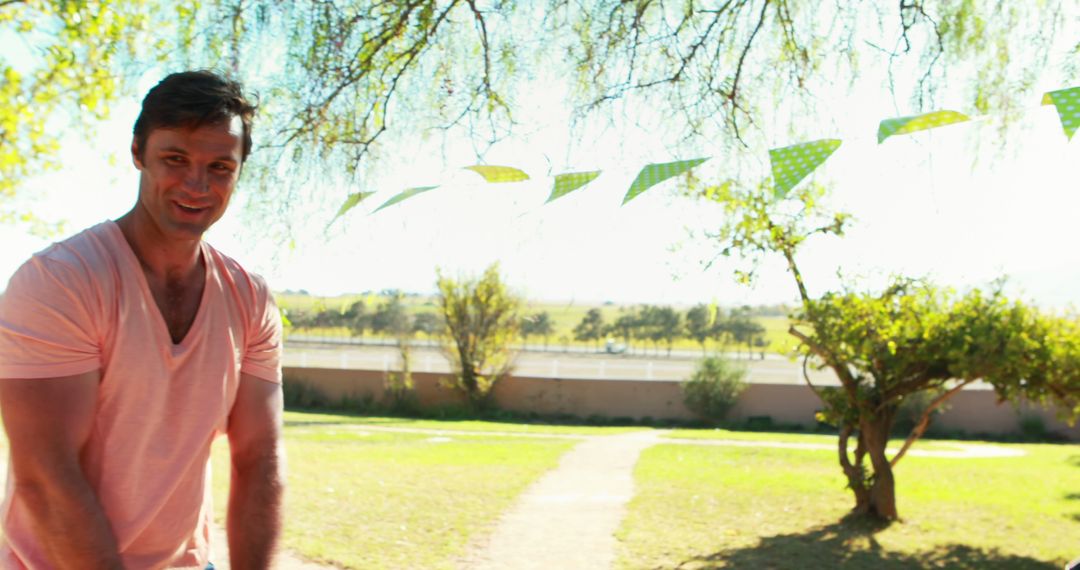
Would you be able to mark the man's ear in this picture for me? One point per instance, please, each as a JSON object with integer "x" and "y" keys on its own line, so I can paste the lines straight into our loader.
{"x": 135, "y": 154}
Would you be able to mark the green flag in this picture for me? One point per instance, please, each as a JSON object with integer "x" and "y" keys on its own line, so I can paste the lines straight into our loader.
{"x": 653, "y": 174}
{"x": 904, "y": 125}
{"x": 403, "y": 195}
{"x": 791, "y": 164}
{"x": 349, "y": 204}
{"x": 497, "y": 174}
{"x": 569, "y": 181}
{"x": 1067, "y": 103}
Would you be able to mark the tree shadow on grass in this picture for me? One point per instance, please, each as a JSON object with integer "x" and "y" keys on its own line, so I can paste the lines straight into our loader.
{"x": 850, "y": 543}
{"x": 1074, "y": 497}
{"x": 1075, "y": 461}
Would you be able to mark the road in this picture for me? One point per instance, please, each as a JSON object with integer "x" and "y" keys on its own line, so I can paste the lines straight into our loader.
{"x": 772, "y": 369}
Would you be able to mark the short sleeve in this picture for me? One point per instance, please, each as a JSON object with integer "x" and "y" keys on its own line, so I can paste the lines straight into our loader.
{"x": 47, "y": 324}
{"x": 262, "y": 356}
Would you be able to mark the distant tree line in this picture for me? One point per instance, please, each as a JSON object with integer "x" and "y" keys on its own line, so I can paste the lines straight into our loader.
{"x": 662, "y": 326}
{"x": 640, "y": 327}
{"x": 388, "y": 317}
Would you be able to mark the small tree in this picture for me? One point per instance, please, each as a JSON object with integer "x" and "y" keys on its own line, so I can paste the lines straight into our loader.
{"x": 625, "y": 327}
{"x": 482, "y": 320}
{"x": 668, "y": 325}
{"x": 427, "y": 324}
{"x": 537, "y": 324}
{"x": 698, "y": 324}
{"x": 591, "y": 327}
{"x": 714, "y": 388}
{"x": 910, "y": 338}
{"x": 390, "y": 317}
{"x": 647, "y": 324}
{"x": 356, "y": 318}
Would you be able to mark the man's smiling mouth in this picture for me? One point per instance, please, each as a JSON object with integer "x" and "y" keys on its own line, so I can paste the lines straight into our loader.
{"x": 189, "y": 207}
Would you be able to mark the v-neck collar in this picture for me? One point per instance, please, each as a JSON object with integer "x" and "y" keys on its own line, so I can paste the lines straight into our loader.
{"x": 144, "y": 286}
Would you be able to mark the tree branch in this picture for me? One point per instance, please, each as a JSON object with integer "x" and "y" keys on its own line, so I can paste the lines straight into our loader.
{"x": 806, "y": 377}
{"x": 924, "y": 421}
{"x": 734, "y": 92}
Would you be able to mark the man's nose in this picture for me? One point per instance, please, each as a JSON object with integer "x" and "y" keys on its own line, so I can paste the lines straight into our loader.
{"x": 196, "y": 180}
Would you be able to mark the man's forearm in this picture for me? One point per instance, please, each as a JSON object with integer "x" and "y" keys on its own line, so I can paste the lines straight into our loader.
{"x": 67, "y": 518}
{"x": 255, "y": 510}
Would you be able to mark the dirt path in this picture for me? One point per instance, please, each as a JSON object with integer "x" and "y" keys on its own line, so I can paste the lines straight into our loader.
{"x": 568, "y": 518}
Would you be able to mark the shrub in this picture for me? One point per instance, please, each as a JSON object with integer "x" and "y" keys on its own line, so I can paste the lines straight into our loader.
{"x": 714, "y": 387}
{"x": 299, "y": 394}
{"x": 399, "y": 394}
{"x": 1033, "y": 428}
{"x": 359, "y": 404}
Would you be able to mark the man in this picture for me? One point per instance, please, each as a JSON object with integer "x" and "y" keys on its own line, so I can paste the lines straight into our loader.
{"x": 127, "y": 348}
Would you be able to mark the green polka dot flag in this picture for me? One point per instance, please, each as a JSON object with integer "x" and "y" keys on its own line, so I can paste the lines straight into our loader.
{"x": 1067, "y": 103}
{"x": 793, "y": 163}
{"x": 904, "y": 125}
{"x": 653, "y": 174}
{"x": 497, "y": 174}
{"x": 349, "y": 204}
{"x": 568, "y": 182}
{"x": 403, "y": 195}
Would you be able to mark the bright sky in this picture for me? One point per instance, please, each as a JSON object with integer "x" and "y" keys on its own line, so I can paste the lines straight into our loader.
{"x": 934, "y": 204}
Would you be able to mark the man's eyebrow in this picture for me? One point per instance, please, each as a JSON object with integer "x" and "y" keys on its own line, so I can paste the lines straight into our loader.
{"x": 180, "y": 150}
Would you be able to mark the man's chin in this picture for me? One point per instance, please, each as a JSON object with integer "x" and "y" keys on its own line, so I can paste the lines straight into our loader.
{"x": 187, "y": 230}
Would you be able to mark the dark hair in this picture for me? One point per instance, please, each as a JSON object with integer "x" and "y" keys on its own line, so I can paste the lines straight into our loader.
{"x": 191, "y": 99}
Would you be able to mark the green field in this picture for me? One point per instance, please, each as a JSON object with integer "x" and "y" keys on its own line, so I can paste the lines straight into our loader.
{"x": 716, "y": 507}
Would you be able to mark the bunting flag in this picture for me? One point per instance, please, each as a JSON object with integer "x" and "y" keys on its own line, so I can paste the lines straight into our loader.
{"x": 349, "y": 204}
{"x": 497, "y": 174}
{"x": 653, "y": 174}
{"x": 1067, "y": 103}
{"x": 405, "y": 194}
{"x": 791, "y": 164}
{"x": 904, "y": 125}
{"x": 568, "y": 182}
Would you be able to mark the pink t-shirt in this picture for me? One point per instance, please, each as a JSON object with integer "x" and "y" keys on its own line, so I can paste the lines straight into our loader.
{"x": 82, "y": 305}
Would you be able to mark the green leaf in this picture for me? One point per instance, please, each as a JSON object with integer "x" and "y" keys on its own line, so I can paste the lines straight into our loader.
{"x": 904, "y": 125}
{"x": 498, "y": 174}
{"x": 405, "y": 194}
{"x": 1067, "y": 103}
{"x": 653, "y": 174}
{"x": 570, "y": 181}
{"x": 349, "y": 204}
{"x": 791, "y": 164}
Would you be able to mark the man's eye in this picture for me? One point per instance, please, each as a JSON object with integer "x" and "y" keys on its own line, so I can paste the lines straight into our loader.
{"x": 174, "y": 159}
{"x": 221, "y": 167}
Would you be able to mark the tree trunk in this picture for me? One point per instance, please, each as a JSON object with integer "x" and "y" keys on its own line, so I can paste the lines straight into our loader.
{"x": 881, "y": 501}
{"x": 854, "y": 471}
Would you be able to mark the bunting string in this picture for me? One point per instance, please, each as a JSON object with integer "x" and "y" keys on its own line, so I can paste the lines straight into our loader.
{"x": 790, "y": 165}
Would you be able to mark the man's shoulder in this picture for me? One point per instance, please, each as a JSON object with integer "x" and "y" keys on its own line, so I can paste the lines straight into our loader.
{"x": 87, "y": 254}
{"x": 236, "y": 275}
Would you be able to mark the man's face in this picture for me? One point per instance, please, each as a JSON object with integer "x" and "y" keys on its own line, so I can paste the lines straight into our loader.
{"x": 188, "y": 176}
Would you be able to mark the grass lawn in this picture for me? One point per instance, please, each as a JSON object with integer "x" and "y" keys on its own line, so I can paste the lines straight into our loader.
{"x": 374, "y": 499}
{"x": 721, "y": 507}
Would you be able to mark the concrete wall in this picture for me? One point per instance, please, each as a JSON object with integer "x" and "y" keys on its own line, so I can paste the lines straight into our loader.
{"x": 972, "y": 411}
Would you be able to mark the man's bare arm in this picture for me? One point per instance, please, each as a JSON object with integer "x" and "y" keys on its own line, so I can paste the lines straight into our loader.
{"x": 258, "y": 473}
{"x": 48, "y": 421}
